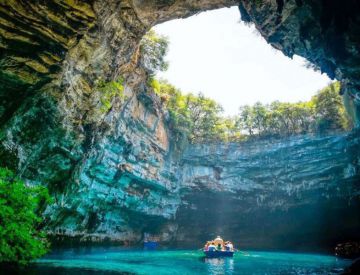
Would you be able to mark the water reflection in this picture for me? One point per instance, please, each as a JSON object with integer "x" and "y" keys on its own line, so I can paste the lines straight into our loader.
{"x": 216, "y": 266}
{"x": 115, "y": 261}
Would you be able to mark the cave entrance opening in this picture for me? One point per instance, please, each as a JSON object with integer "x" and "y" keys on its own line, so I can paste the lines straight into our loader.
{"x": 213, "y": 53}
{"x": 216, "y": 54}
{"x": 219, "y": 63}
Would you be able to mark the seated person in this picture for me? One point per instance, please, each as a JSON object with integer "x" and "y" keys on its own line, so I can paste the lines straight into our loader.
{"x": 229, "y": 246}
{"x": 219, "y": 247}
{"x": 206, "y": 247}
{"x": 218, "y": 239}
{"x": 212, "y": 247}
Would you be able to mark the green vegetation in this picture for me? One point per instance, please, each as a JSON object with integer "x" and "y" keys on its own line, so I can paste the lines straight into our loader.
{"x": 108, "y": 91}
{"x": 20, "y": 209}
{"x": 153, "y": 48}
{"x": 196, "y": 118}
{"x": 323, "y": 113}
{"x": 330, "y": 111}
{"x": 199, "y": 119}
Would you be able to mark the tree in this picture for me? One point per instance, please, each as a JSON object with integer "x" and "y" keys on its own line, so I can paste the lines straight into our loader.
{"x": 246, "y": 119}
{"x": 193, "y": 117}
{"x": 230, "y": 130}
{"x": 330, "y": 111}
{"x": 204, "y": 113}
{"x": 20, "y": 210}
{"x": 176, "y": 105}
{"x": 153, "y": 48}
{"x": 325, "y": 112}
{"x": 259, "y": 114}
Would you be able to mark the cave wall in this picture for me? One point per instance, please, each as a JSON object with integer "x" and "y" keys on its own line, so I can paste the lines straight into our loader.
{"x": 297, "y": 193}
{"x": 104, "y": 168}
{"x": 114, "y": 174}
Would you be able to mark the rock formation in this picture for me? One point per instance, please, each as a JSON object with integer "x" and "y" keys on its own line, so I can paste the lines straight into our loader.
{"x": 114, "y": 173}
{"x": 301, "y": 192}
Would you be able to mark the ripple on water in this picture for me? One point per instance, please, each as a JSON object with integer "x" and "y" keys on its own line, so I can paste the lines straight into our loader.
{"x": 120, "y": 261}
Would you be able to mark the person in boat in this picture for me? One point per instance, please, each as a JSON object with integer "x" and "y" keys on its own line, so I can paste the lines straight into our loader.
{"x": 219, "y": 243}
{"x": 211, "y": 247}
{"x": 218, "y": 240}
{"x": 206, "y": 247}
{"x": 229, "y": 246}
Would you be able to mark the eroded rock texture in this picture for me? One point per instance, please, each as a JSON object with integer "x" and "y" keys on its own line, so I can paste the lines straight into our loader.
{"x": 297, "y": 193}
{"x": 114, "y": 173}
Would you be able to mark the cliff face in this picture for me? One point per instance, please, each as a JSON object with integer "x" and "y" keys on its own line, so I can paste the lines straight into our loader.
{"x": 297, "y": 193}
{"x": 124, "y": 186}
{"x": 113, "y": 173}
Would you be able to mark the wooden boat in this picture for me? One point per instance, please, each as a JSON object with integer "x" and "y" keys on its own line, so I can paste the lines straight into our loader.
{"x": 218, "y": 248}
{"x": 218, "y": 254}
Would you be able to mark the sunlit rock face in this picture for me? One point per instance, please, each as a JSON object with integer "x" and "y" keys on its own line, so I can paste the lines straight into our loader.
{"x": 114, "y": 173}
{"x": 125, "y": 186}
{"x": 301, "y": 192}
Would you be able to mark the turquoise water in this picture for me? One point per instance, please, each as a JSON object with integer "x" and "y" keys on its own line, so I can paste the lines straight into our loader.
{"x": 119, "y": 261}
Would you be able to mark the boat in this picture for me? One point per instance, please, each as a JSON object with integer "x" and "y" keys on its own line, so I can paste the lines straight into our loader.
{"x": 218, "y": 248}
{"x": 151, "y": 242}
{"x": 151, "y": 245}
{"x": 218, "y": 254}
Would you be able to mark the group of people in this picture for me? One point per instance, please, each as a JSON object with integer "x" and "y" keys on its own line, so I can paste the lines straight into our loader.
{"x": 218, "y": 245}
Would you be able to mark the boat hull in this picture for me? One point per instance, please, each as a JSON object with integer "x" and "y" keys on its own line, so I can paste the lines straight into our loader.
{"x": 150, "y": 245}
{"x": 218, "y": 254}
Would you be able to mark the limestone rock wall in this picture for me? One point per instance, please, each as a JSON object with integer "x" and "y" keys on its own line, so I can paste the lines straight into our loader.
{"x": 301, "y": 192}
{"x": 125, "y": 186}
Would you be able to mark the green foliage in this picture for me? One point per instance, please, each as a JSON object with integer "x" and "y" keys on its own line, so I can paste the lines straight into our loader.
{"x": 108, "y": 91}
{"x": 198, "y": 119}
{"x": 204, "y": 114}
{"x": 330, "y": 111}
{"x": 154, "y": 84}
{"x": 20, "y": 210}
{"x": 325, "y": 112}
{"x": 153, "y": 48}
{"x": 175, "y": 103}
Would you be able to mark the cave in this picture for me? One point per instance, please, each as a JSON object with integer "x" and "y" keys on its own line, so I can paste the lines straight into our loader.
{"x": 117, "y": 174}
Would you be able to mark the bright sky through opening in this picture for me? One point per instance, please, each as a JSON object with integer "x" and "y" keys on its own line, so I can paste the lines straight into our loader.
{"x": 215, "y": 54}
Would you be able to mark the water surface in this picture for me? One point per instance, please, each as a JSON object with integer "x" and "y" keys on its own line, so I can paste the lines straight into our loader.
{"x": 120, "y": 261}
